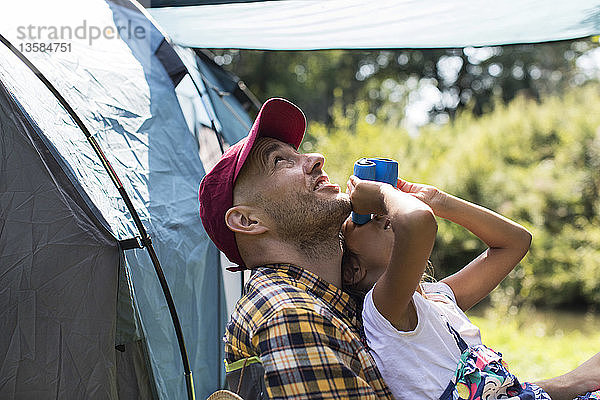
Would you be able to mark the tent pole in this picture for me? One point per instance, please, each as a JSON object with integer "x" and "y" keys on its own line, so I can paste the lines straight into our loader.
{"x": 145, "y": 238}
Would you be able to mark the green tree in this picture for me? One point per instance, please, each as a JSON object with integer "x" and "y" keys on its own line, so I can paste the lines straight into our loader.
{"x": 470, "y": 78}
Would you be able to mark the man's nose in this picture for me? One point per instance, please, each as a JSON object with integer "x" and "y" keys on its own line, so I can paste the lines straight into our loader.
{"x": 313, "y": 162}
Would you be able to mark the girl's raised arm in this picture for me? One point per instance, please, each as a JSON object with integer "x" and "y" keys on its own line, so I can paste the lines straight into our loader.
{"x": 508, "y": 242}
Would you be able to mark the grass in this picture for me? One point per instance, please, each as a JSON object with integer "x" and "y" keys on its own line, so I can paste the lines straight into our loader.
{"x": 539, "y": 344}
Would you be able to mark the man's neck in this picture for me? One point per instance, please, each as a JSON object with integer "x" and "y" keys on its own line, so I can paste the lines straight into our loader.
{"x": 324, "y": 261}
{"x": 326, "y": 268}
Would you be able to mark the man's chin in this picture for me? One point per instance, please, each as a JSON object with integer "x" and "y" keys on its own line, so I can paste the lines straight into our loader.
{"x": 345, "y": 198}
{"x": 345, "y": 207}
{"x": 330, "y": 210}
{"x": 334, "y": 195}
{"x": 310, "y": 215}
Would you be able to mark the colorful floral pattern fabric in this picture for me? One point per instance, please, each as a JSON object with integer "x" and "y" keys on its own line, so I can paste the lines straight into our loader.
{"x": 481, "y": 374}
{"x": 590, "y": 396}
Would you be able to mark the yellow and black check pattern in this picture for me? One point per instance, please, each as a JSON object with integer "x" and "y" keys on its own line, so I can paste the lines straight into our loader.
{"x": 307, "y": 334}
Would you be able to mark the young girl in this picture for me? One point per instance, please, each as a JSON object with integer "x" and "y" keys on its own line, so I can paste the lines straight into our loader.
{"x": 418, "y": 332}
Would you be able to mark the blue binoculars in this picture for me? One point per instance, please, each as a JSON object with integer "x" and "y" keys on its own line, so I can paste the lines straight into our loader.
{"x": 374, "y": 169}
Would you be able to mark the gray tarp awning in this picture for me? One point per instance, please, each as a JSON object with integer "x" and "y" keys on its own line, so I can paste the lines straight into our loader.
{"x": 353, "y": 24}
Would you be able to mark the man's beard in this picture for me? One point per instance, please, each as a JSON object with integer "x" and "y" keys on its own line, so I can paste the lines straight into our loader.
{"x": 311, "y": 224}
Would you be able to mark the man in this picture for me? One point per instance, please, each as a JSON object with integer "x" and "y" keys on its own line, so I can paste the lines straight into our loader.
{"x": 273, "y": 210}
{"x": 295, "y": 333}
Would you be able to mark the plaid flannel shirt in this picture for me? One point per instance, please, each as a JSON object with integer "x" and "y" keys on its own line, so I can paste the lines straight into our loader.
{"x": 307, "y": 334}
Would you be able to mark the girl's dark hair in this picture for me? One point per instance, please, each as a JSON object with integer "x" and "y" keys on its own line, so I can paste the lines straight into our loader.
{"x": 350, "y": 258}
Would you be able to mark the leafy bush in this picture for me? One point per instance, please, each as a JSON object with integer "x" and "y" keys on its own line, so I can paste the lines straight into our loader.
{"x": 535, "y": 162}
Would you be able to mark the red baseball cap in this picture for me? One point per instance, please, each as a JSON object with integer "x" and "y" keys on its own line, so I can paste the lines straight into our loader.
{"x": 278, "y": 118}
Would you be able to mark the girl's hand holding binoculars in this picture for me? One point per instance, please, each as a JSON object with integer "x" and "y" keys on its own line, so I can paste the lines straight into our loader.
{"x": 367, "y": 197}
{"x": 430, "y": 195}
{"x": 372, "y": 197}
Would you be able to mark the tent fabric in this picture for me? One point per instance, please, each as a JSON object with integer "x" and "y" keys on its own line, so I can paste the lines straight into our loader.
{"x": 172, "y": 175}
{"x": 218, "y": 89}
{"x": 133, "y": 378}
{"x": 124, "y": 91}
{"x": 193, "y": 98}
{"x": 357, "y": 24}
{"x": 229, "y": 111}
{"x": 58, "y": 275}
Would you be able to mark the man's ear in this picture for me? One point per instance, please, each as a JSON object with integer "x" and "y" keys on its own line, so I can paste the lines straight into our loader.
{"x": 244, "y": 219}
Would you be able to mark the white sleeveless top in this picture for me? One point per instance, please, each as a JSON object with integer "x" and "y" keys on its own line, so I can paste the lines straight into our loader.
{"x": 420, "y": 363}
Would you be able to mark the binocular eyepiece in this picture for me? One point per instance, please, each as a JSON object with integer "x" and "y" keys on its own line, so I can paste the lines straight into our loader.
{"x": 374, "y": 169}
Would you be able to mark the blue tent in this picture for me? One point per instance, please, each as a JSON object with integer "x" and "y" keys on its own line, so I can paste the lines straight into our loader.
{"x": 83, "y": 313}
